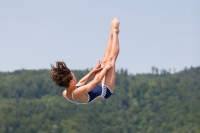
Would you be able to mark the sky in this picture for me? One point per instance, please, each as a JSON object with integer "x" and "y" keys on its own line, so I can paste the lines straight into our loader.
{"x": 163, "y": 34}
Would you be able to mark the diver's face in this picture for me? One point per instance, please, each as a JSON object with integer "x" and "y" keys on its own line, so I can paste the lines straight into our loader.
{"x": 73, "y": 78}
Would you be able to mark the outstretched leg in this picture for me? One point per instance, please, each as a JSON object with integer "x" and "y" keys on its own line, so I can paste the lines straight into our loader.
{"x": 108, "y": 47}
{"x": 109, "y": 79}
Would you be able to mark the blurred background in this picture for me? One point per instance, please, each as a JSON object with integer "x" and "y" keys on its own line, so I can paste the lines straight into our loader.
{"x": 158, "y": 69}
{"x": 163, "y": 34}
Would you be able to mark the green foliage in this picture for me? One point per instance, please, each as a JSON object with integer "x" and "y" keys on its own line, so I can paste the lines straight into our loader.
{"x": 142, "y": 103}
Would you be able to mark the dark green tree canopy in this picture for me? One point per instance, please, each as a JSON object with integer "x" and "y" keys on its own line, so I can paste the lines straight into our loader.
{"x": 159, "y": 102}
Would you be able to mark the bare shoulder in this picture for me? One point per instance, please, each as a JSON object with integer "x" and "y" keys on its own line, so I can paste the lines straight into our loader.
{"x": 80, "y": 90}
{"x": 80, "y": 94}
{"x": 64, "y": 94}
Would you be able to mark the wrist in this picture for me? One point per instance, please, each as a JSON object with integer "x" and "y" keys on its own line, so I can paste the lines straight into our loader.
{"x": 105, "y": 68}
{"x": 92, "y": 71}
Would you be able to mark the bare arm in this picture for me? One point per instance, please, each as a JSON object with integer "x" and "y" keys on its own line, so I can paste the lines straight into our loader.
{"x": 97, "y": 79}
{"x": 87, "y": 77}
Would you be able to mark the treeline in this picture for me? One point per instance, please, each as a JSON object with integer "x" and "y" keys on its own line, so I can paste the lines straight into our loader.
{"x": 141, "y": 103}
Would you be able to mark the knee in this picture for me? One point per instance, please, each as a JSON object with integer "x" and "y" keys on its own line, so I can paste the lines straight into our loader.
{"x": 110, "y": 59}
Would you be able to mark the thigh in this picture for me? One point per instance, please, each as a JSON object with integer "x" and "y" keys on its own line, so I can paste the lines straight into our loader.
{"x": 109, "y": 78}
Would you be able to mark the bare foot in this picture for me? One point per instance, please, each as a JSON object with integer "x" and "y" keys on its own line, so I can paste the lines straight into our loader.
{"x": 115, "y": 25}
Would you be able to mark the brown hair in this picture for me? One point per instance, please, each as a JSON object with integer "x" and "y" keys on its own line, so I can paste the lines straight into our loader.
{"x": 60, "y": 74}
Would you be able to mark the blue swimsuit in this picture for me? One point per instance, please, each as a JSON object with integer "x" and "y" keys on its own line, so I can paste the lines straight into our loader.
{"x": 99, "y": 91}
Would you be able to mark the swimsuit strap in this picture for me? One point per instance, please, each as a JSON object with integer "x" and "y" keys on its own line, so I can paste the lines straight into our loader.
{"x": 68, "y": 99}
{"x": 77, "y": 103}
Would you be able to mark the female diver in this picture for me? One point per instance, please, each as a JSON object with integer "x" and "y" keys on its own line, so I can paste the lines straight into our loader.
{"x": 103, "y": 84}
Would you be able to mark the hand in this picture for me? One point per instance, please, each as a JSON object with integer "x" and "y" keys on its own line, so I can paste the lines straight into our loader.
{"x": 97, "y": 68}
{"x": 108, "y": 66}
{"x": 98, "y": 65}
